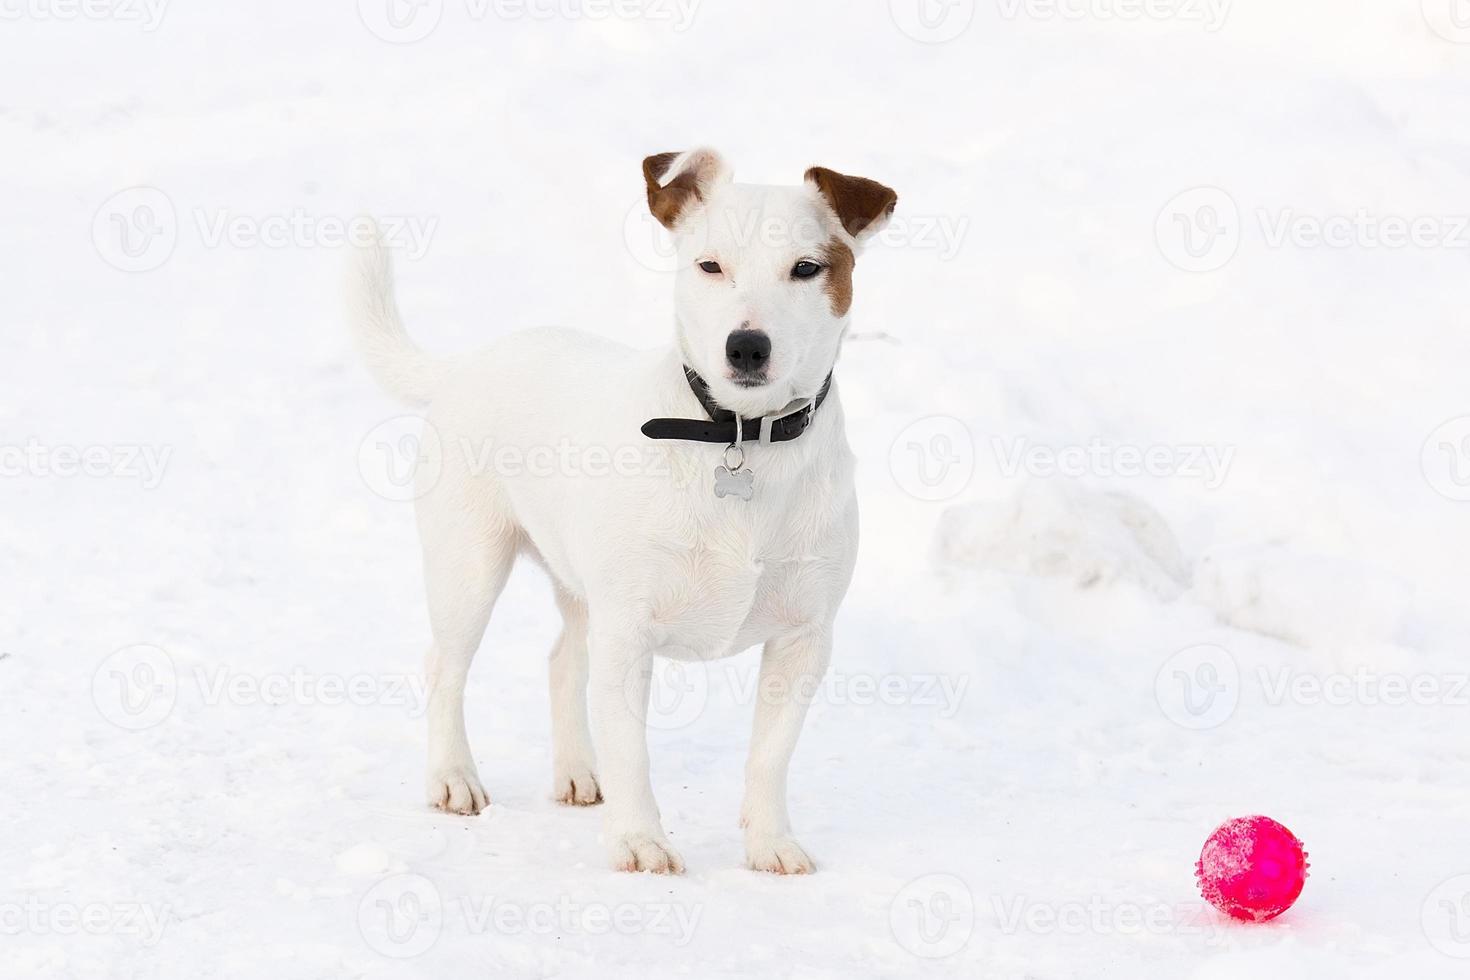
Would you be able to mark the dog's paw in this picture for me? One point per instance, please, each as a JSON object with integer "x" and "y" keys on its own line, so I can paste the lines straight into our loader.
{"x": 575, "y": 785}
{"x": 777, "y": 855}
{"x": 457, "y": 790}
{"x": 643, "y": 852}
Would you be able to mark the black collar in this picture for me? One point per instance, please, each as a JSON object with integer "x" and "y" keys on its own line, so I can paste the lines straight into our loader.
{"x": 722, "y": 425}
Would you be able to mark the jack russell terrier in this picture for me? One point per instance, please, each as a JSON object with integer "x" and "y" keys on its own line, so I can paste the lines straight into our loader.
{"x": 756, "y": 547}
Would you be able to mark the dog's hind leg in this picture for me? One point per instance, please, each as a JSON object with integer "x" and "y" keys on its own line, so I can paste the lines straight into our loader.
{"x": 574, "y": 780}
{"x": 468, "y": 555}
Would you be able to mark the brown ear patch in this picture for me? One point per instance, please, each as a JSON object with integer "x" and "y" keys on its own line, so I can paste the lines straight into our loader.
{"x": 839, "y": 261}
{"x": 668, "y": 201}
{"x": 857, "y": 201}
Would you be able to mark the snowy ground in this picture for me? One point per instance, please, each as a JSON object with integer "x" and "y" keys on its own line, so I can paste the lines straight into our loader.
{"x": 1158, "y": 385}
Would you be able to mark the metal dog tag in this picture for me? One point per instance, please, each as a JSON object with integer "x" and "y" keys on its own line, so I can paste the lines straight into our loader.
{"x": 731, "y": 480}
{"x": 740, "y": 483}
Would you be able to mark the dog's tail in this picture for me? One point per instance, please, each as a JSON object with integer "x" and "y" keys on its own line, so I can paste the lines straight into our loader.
{"x": 398, "y": 364}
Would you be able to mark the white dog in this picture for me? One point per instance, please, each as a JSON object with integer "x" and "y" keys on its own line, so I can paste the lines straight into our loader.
{"x": 688, "y": 502}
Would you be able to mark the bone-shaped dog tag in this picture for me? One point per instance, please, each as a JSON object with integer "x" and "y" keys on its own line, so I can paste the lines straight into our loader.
{"x": 740, "y": 483}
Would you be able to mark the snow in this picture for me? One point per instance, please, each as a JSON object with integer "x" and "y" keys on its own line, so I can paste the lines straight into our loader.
{"x": 1063, "y": 531}
{"x": 212, "y": 619}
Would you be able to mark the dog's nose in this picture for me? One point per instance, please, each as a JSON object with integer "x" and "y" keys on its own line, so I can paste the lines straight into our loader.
{"x": 748, "y": 350}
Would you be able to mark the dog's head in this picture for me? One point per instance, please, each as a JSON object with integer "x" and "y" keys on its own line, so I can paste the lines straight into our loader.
{"x": 765, "y": 273}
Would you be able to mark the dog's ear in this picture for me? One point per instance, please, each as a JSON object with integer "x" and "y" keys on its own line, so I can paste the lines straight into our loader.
{"x": 862, "y": 205}
{"x": 678, "y": 181}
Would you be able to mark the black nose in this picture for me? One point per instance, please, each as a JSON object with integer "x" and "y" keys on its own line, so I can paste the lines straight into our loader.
{"x": 748, "y": 350}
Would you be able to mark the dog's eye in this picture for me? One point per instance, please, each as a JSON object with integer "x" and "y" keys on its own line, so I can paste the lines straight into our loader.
{"x": 710, "y": 266}
{"x": 805, "y": 269}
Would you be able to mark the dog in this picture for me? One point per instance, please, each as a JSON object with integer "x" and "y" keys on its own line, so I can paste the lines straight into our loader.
{"x": 722, "y": 513}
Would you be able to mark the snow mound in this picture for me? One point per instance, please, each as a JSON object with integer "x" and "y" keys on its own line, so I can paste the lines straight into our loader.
{"x": 1309, "y": 600}
{"x": 1065, "y": 531}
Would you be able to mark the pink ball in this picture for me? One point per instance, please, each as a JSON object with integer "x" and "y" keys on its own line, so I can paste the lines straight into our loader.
{"x": 1252, "y": 868}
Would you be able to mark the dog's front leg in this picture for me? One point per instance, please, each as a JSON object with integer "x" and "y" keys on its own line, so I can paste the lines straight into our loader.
{"x": 618, "y": 688}
{"x": 792, "y": 668}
